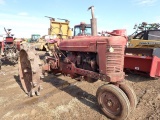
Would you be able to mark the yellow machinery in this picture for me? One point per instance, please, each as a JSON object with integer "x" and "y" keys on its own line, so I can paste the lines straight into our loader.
{"x": 145, "y": 36}
{"x": 61, "y": 29}
{"x": 57, "y": 30}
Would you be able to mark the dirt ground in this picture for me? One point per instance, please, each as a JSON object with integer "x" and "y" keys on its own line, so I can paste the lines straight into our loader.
{"x": 66, "y": 99}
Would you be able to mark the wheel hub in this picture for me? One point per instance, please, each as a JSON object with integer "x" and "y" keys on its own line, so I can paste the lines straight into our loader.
{"x": 111, "y": 103}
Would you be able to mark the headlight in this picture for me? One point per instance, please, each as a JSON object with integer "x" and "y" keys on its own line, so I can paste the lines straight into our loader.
{"x": 111, "y": 49}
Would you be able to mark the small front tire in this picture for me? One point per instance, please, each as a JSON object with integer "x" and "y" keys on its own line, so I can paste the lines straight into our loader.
{"x": 113, "y": 102}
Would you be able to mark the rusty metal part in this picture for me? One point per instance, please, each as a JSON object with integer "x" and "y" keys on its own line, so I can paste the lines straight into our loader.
{"x": 118, "y": 32}
{"x": 91, "y": 66}
{"x": 30, "y": 71}
{"x": 113, "y": 101}
{"x": 93, "y": 21}
{"x": 109, "y": 50}
{"x": 114, "y": 59}
{"x": 92, "y": 11}
{"x": 130, "y": 94}
{"x": 115, "y": 62}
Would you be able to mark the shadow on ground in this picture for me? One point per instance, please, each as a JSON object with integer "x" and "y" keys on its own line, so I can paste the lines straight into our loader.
{"x": 6, "y": 62}
{"x": 138, "y": 77}
{"x": 16, "y": 77}
{"x": 75, "y": 91}
{"x": 70, "y": 88}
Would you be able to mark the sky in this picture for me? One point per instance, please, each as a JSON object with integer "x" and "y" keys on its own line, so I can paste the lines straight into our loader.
{"x": 26, "y": 17}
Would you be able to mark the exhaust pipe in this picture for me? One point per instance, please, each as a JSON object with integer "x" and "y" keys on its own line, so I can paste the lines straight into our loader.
{"x": 93, "y": 22}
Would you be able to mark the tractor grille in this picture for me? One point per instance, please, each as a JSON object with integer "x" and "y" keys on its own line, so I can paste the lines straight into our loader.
{"x": 115, "y": 59}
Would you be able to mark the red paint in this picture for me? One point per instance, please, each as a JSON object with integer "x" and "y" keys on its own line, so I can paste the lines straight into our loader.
{"x": 138, "y": 63}
{"x": 2, "y": 45}
{"x": 9, "y": 40}
{"x": 110, "y": 62}
{"x": 121, "y": 32}
{"x": 148, "y": 65}
{"x": 155, "y": 67}
{"x": 88, "y": 43}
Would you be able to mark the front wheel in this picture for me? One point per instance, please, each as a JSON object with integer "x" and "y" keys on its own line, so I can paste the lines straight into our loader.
{"x": 130, "y": 94}
{"x": 113, "y": 102}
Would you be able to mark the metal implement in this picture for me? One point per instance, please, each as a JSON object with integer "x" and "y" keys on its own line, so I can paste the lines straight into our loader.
{"x": 144, "y": 61}
{"x": 142, "y": 53}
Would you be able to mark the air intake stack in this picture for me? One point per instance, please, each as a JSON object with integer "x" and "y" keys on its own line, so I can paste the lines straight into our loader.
{"x": 93, "y": 21}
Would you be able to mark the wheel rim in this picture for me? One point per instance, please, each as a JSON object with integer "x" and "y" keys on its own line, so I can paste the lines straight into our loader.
{"x": 25, "y": 71}
{"x": 30, "y": 71}
{"x": 110, "y": 103}
{"x": 113, "y": 102}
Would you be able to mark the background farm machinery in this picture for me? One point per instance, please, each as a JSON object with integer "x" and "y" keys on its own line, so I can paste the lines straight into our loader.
{"x": 9, "y": 48}
{"x": 144, "y": 26}
{"x": 142, "y": 56}
{"x": 57, "y": 30}
{"x": 86, "y": 57}
{"x": 61, "y": 30}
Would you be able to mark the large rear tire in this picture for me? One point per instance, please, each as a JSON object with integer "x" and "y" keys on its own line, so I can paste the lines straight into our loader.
{"x": 30, "y": 71}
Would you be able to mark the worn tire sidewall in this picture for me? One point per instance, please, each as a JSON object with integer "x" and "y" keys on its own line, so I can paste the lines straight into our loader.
{"x": 120, "y": 95}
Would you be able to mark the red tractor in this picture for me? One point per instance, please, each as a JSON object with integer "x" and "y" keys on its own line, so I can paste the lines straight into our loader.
{"x": 90, "y": 58}
{"x": 9, "y": 49}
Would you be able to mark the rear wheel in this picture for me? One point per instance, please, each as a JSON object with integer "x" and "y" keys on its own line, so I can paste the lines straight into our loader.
{"x": 113, "y": 102}
{"x": 30, "y": 72}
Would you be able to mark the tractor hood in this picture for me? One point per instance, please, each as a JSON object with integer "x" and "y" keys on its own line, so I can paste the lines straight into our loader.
{"x": 89, "y": 43}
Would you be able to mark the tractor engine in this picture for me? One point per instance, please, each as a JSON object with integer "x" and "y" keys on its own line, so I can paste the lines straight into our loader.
{"x": 82, "y": 60}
